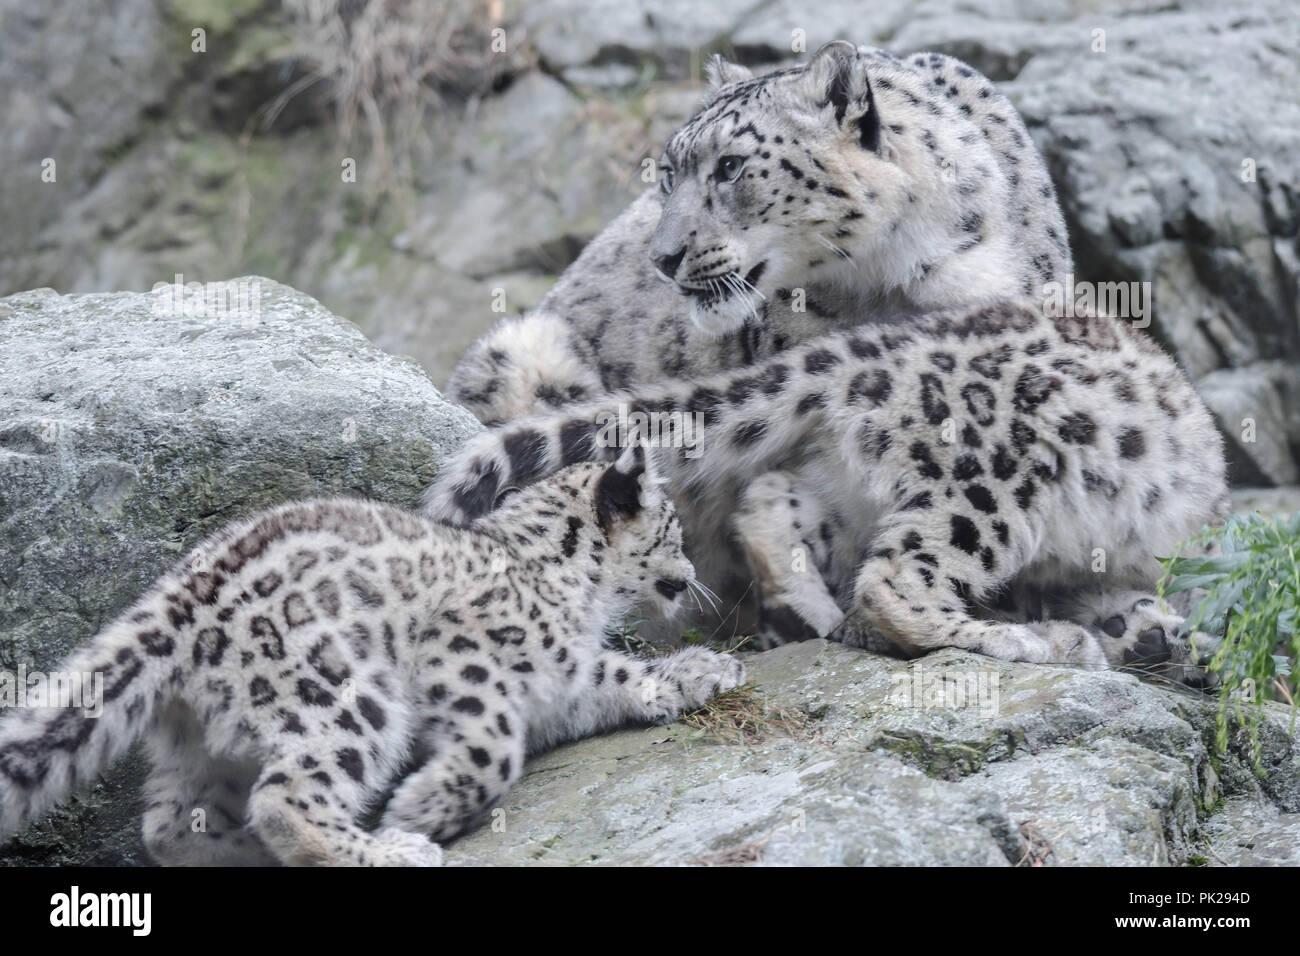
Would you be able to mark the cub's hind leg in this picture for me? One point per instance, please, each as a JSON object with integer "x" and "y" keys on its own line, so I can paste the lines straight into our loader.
{"x": 196, "y": 804}
{"x": 304, "y": 810}
{"x": 328, "y": 758}
{"x": 476, "y": 756}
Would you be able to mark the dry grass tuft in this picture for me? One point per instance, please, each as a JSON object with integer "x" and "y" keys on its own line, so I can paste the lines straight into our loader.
{"x": 743, "y": 855}
{"x": 1038, "y": 845}
{"x": 741, "y": 716}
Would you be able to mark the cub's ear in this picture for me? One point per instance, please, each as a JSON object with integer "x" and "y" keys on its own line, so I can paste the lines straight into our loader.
{"x": 620, "y": 491}
{"x": 721, "y": 72}
{"x": 837, "y": 77}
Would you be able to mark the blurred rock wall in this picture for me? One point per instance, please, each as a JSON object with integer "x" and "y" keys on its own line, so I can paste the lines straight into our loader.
{"x": 1172, "y": 130}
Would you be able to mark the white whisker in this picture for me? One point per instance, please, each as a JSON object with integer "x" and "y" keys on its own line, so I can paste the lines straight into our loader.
{"x": 705, "y": 588}
{"x": 699, "y": 589}
{"x": 733, "y": 610}
{"x": 733, "y": 285}
{"x": 734, "y": 280}
{"x": 833, "y": 248}
{"x": 750, "y": 287}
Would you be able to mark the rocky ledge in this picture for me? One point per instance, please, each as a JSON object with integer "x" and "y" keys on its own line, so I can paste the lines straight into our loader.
{"x": 843, "y": 757}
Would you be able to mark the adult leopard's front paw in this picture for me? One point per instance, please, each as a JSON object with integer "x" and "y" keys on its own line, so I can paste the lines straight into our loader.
{"x": 1140, "y": 636}
{"x": 690, "y": 678}
{"x": 1070, "y": 643}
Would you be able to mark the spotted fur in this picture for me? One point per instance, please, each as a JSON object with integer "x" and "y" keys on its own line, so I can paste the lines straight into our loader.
{"x": 976, "y": 449}
{"x": 293, "y": 664}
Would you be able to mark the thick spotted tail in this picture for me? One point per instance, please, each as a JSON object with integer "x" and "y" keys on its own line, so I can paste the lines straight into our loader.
{"x": 702, "y": 433}
{"x": 66, "y": 726}
{"x": 524, "y": 366}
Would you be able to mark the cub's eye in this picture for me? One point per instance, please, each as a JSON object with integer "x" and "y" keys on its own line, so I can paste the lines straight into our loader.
{"x": 728, "y": 168}
{"x": 666, "y": 178}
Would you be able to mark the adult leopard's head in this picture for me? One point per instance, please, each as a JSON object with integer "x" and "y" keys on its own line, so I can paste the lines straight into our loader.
{"x": 764, "y": 187}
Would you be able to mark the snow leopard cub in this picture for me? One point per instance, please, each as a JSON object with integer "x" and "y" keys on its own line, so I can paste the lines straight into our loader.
{"x": 295, "y": 661}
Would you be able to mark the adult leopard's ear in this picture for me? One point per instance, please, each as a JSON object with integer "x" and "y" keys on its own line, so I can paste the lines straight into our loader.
{"x": 837, "y": 77}
{"x": 721, "y": 72}
{"x": 621, "y": 490}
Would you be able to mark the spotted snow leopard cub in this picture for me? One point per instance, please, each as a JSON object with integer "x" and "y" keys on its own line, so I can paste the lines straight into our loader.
{"x": 858, "y": 187}
{"x": 297, "y": 660}
{"x": 975, "y": 449}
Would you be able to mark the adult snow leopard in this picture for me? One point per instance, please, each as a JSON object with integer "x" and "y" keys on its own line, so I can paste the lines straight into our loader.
{"x": 288, "y": 668}
{"x": 857, "y": 187}
{"x": 973, "y": 449}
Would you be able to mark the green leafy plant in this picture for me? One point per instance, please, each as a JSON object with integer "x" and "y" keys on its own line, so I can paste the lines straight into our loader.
{"x": 1252, "y": 603}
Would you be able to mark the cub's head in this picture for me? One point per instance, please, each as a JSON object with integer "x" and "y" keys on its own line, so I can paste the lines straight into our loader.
{"x": 621, "y": 513}
{"x": 766, "y": 186}
{"x": 634, "y": 509}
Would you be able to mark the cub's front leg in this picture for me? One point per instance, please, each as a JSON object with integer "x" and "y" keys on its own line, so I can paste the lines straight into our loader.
{"x": 621, "y": 689}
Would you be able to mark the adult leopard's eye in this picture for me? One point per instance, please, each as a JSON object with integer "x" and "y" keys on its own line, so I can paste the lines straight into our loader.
{"x": 728, "y": 168}
{"x": 666, "y": 178}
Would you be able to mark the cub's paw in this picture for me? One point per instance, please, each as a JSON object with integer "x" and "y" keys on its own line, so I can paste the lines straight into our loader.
{"x": 689, "y": 679}
{"x": 1069, "y": 643}
{"x": 402, "y": 848}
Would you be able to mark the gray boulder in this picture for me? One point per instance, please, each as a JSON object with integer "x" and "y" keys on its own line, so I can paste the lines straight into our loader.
{"x": 1270, "y": 501}
{"x": 128, "y": 433}
{"x": 568, "y": 35}
{"x": 1173, "y": 136}
{"x": 1248, "y": 833}
{"x": 955, "y": 759}
{"x": 1256, "y": 409}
